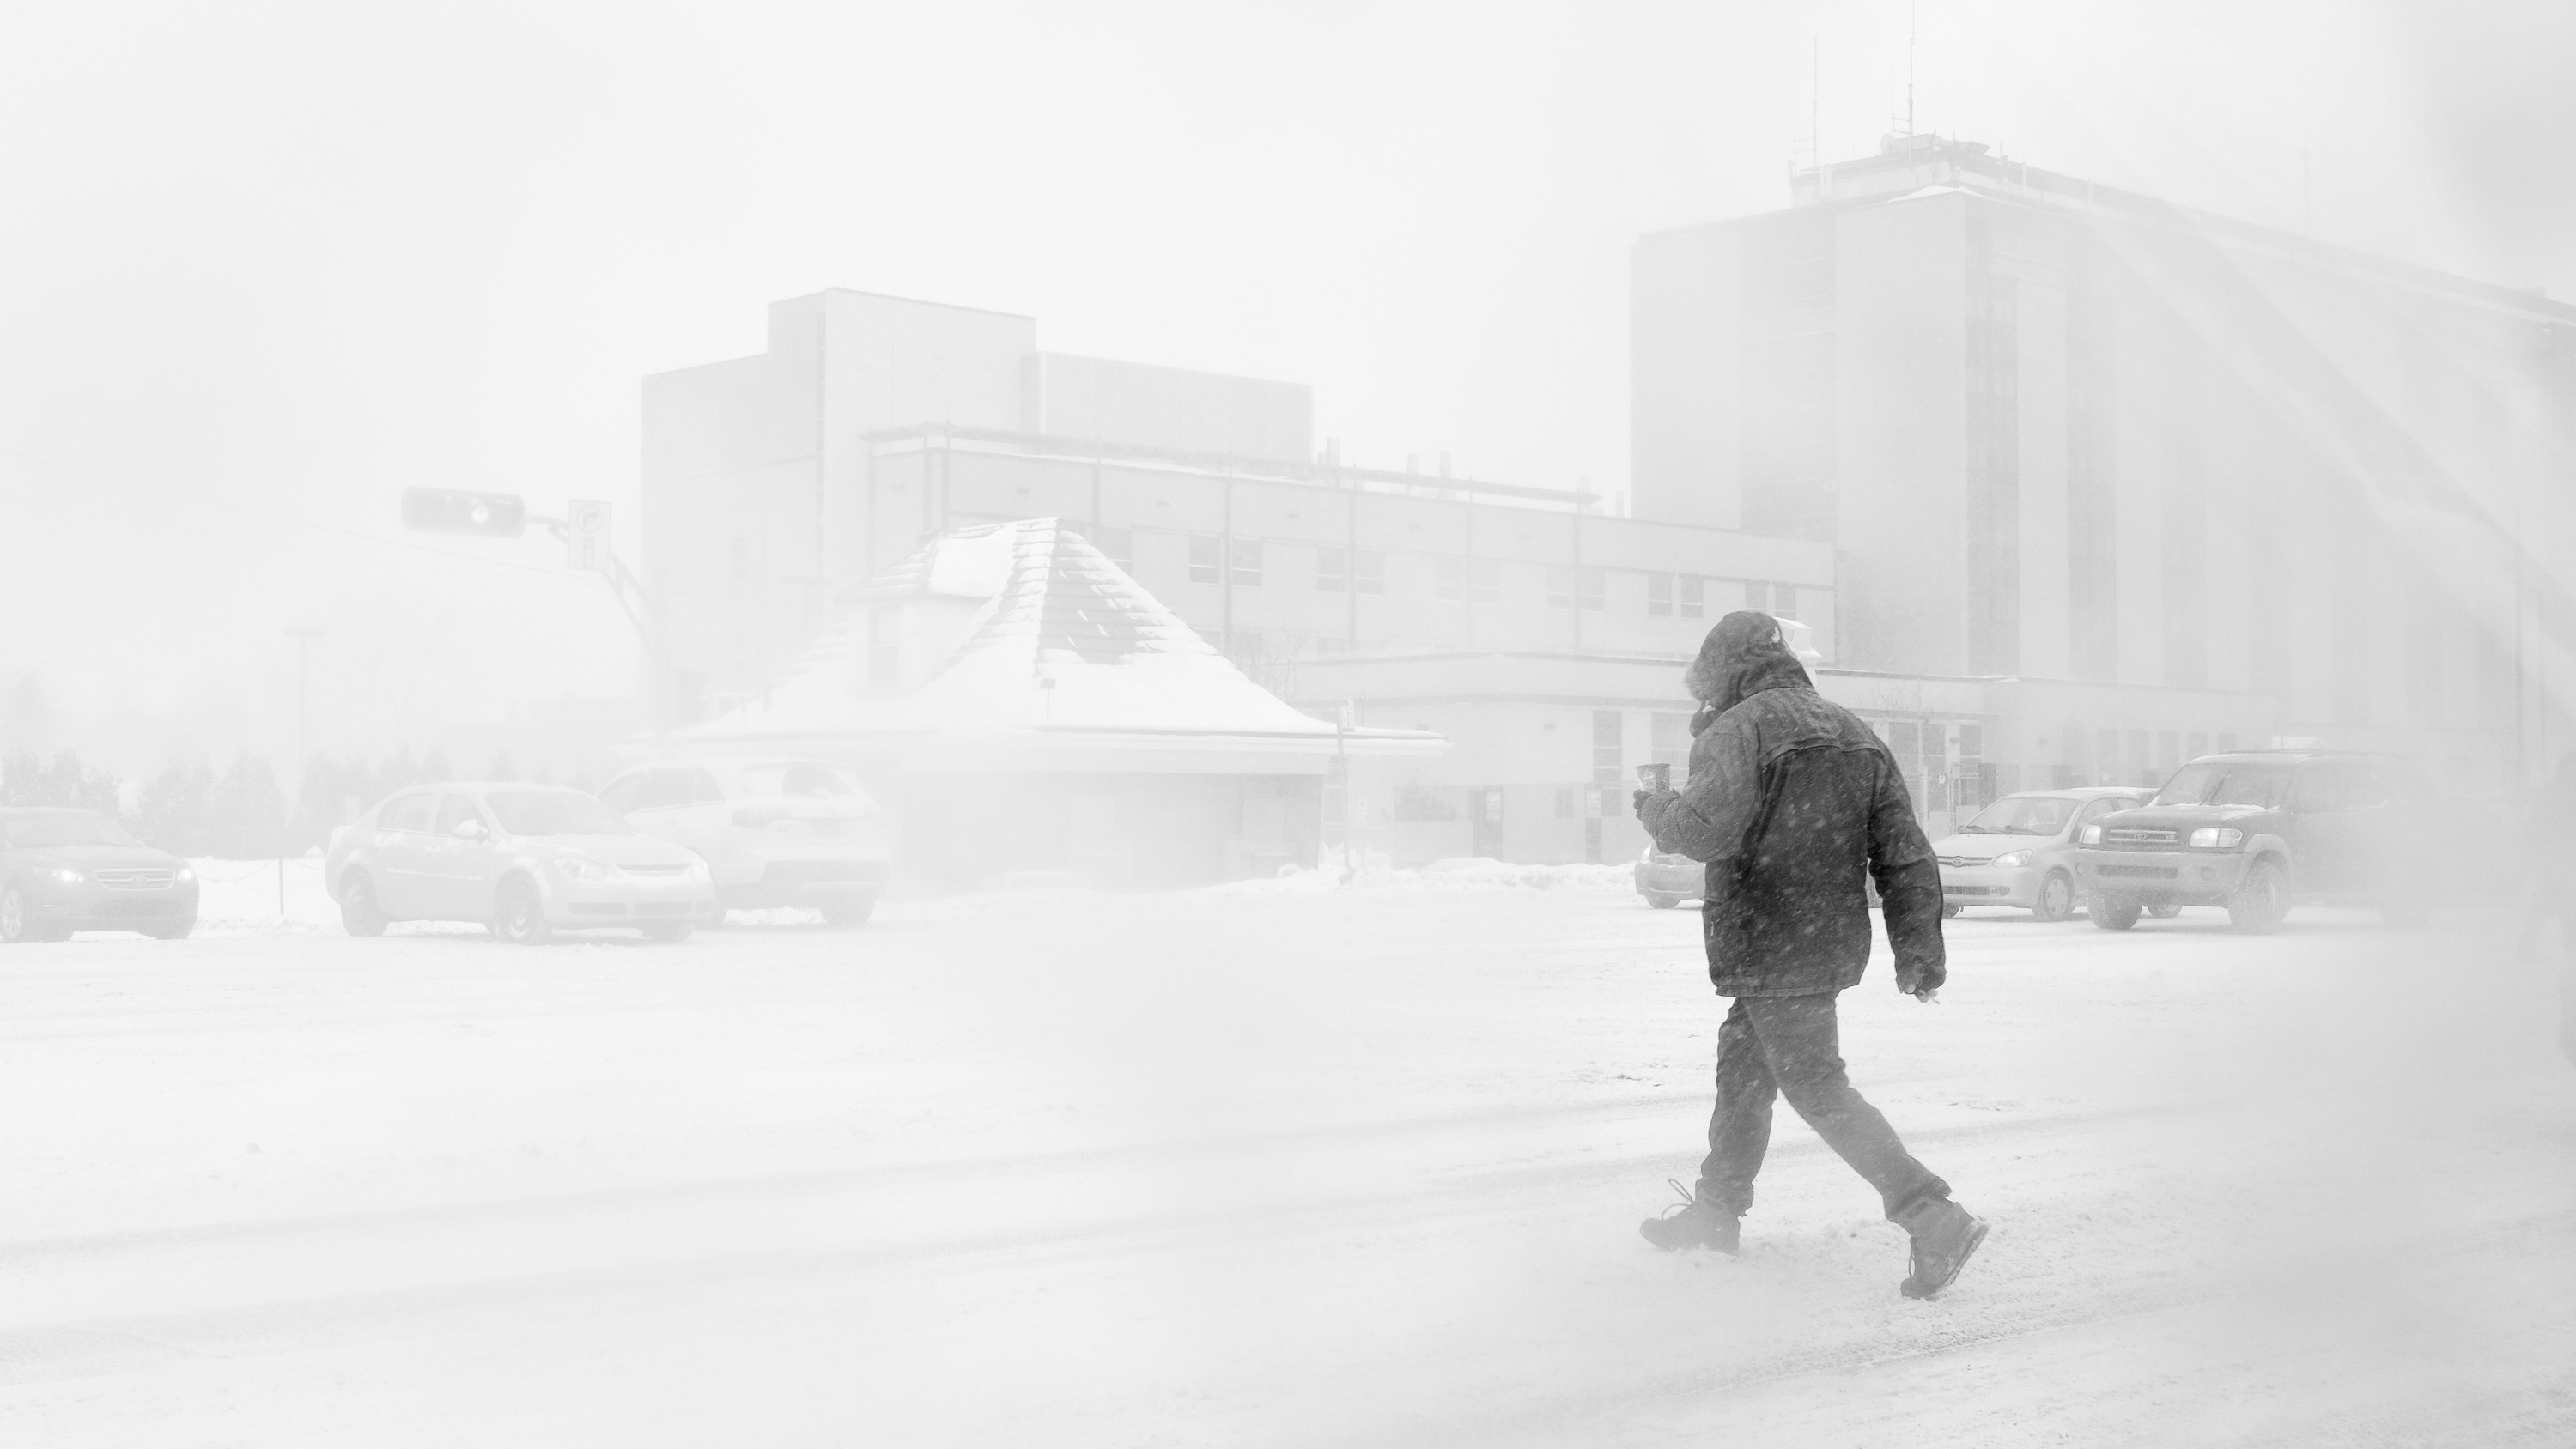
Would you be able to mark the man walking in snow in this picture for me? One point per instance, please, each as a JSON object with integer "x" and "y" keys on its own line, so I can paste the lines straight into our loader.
{"x": 1790, "y": 799}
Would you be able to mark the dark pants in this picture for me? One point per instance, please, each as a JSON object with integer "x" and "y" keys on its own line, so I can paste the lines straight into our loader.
{"x": 1788, "y": 1046}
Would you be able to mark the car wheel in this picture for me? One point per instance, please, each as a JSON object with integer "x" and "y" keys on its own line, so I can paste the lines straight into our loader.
{"x": 853, "y": 912}
{"x": 16, "y": 923}
{"x": 2164, "y": 910}
{"x": 360, "y": 914}
{"x": 2056, "y": 897}
{"x": 2261, "y": 902}
{"x": 519, "y": 915}
{"x": 669, "y": 933}
{"x": 1663, "y": 903}
{"x": 174, "y": 931}
{"x": 2112, "y": 913}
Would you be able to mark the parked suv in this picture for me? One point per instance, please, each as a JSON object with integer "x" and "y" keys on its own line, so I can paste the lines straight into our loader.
{"x": 2252, "y": 830}
{"x": 78, "y": 870}
{"x": 2020, "y": 851}
{"x": 776, "y": 832}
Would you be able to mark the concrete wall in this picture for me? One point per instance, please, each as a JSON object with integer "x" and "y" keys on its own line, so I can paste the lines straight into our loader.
{"x": 1098, "y": 400}
{"x": 1683, "y": 376}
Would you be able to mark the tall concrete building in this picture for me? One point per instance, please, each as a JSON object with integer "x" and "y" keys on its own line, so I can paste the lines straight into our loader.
{"x": 2056, "y": 431}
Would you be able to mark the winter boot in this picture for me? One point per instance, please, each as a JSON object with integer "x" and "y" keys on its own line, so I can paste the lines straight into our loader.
{"x": 1944, "y": 1235}
{"x": 1695, "y": 1222}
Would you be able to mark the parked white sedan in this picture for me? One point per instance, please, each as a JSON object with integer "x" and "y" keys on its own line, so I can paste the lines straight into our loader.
{"x": 776, "y": 832}
{"x": 528, "y": 860}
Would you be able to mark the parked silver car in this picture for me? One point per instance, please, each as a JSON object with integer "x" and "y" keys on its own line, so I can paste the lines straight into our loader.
{"x": 776, "y": 832}
{"x": 528, "y": 860}
{"x": 2020, "y": 851}
{"x": 1666, "y": 879}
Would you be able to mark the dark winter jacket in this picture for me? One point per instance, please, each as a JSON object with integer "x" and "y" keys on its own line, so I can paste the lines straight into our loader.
{"x": 1790, "y": 798}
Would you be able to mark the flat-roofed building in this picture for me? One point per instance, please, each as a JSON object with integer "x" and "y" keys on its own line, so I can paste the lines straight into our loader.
{"x": 2061, "y": 431}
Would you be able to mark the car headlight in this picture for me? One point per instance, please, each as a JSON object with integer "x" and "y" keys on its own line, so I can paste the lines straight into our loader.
{"x": 64, "y": 874}
{"x": 699, "y": 870}
{"x": 185, "y": 875}
{"x": 2214, "y": 837}
{"x": 2092, "y": 835}
{"x": 2011, "y": 858}
{"x": 586, "y": 870}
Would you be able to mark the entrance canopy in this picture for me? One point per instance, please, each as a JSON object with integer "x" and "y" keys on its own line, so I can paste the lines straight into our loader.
{"x": 1064, "y": 663}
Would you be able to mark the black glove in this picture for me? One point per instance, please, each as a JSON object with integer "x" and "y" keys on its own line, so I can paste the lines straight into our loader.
{"x": 1916, "y": 977}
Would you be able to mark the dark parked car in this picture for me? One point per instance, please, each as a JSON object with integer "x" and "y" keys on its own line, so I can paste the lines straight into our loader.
{"x": 78, "y": 870}
{"x": 2251, "y": 831}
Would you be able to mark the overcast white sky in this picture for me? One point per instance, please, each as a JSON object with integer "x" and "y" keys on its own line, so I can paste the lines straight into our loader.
{"x": 266, "y": 265}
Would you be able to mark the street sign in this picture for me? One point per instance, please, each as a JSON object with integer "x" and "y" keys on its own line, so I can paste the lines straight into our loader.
{"x": 447, "y": 510}
{"x": 586, "y": 535}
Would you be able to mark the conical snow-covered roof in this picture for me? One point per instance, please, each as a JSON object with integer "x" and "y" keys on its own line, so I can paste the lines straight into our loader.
{"x": 1067, "y": 645}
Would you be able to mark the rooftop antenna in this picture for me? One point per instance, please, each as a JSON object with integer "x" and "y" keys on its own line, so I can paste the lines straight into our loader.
{"x": 1815, "y": 108}
{"x": 1910, "y": 8}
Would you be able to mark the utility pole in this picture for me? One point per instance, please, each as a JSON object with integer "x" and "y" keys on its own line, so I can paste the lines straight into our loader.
{"x": 303, "y": 651}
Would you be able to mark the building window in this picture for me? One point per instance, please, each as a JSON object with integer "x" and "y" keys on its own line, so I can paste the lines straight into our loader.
{"x": 1757, "y": 595}
{"x": 1605, "y": 747}
{"x": 1332, "y": 569}
{"x": 2195, "y": 744}
{"x": 1659, "y": 595}
{"x": 1565, "y": 804}
{"x": 1784, "y": 600}
{"x": 1419, "y": 802}
{"x": 1694, "y": 597}
{"x": 1118, "y": 545}
{"x": 1204, "y": 565}
{"x": 1484, "y": 581}
{"x": 1560, "y": 588}
{"x": 1670, "y": 742}
{"x": 1368, "y": 571}
{"x": 1450, "y": 581}
{"x": 1589, "y": 588}
{"x": 1246, "y": 553}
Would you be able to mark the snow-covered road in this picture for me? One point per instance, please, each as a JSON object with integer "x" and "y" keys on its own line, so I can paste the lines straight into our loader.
{"x": 1260, "y": 1166}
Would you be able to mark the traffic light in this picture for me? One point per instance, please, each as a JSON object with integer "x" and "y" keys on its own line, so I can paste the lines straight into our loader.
{"x": 445, "y": 510}
{"x": 586, "y": 535}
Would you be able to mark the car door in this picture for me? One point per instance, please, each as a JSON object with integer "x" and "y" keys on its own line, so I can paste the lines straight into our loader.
{"x": 402, "y": 856}
{"x": 660, "y": 804}
{"x": 706, "y": 822}
{"x": 461, "y": 867}
{"x": 2061, "y": 849}
{"x": 2365, "y": 821}
{"x": 2320, "y": 850}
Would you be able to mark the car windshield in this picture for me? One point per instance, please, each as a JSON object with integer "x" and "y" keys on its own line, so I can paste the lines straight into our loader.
{"x": 71, "y": 827}
{"x": 803, "y": 777}
{"x": 554, "y": 812}
{"x": 2226, "y": 784}
{"x": 2018, "y": 815}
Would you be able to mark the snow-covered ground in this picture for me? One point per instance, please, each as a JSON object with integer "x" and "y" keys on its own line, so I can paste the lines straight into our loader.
{"x": 1267, "y": 1165}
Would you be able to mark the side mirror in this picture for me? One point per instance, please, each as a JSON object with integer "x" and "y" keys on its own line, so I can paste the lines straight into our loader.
{"x": 469, "y": 829}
